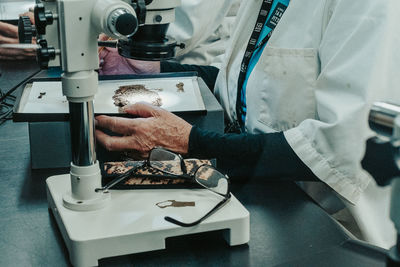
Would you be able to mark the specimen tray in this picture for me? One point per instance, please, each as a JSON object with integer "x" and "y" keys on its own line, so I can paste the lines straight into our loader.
{"x": 42, "y": 98}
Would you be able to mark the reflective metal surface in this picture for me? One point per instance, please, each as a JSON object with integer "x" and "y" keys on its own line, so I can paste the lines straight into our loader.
{"x": 82, "y": 133}
{"x": 384, "y": 114}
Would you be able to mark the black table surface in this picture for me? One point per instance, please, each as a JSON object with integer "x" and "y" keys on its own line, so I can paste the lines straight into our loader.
{"x": 10, "y": 78}
{"x": 287, "y": 227}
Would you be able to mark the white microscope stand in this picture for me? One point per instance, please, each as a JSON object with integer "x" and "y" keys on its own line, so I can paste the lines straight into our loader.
{"x": 127, "y": 221}
{"x": 132, "y": 222}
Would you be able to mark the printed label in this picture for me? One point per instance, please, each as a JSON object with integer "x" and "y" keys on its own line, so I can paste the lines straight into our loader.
{"x": 276, "y": 15}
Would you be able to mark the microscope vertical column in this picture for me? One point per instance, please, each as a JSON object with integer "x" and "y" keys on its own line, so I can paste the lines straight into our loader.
{"x": 80, "y": 23}
{"x": 83, "y": 150}
{"x": 82, "y": 133}
{"x": 80, "y": 87}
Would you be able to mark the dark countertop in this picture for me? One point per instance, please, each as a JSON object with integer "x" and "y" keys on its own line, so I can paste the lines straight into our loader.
{"x": 287, "y": 227}
{"x": 9, "y": 78}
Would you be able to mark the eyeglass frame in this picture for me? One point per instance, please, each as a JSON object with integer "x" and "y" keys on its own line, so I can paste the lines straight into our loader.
{"x": 127, "y": 174}
{"x": 184, "y": 175}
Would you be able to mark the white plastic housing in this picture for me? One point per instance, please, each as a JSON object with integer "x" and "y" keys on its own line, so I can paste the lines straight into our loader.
{"x": 81, "y": 21}
{"x": 163, "y": 9}
{"x": 82, "y": 196}
{"x": 79, "y": 86}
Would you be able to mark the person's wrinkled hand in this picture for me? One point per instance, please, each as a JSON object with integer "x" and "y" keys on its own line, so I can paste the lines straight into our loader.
{"x": 9, "y": 35}
{"x": 111, "y": 63}
{"x": 16, "y": 54}
{"x": 153, "y": 127}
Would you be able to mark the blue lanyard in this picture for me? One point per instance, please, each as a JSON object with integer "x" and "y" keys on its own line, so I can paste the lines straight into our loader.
{"x": 255, "y": 44}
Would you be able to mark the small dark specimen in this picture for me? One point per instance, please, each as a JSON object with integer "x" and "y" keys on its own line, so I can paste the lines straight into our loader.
{"x": 41, "y": 95}
{"x": 180, "y": 87}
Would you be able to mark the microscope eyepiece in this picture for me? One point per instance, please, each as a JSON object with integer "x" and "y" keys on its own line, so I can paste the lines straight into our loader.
{"x": 151, "y": 42}
{"x": 122, "y": 23}
{"x": 126, "y": 24}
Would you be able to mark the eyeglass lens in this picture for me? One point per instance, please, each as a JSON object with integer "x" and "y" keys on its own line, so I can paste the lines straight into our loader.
{"x": 205, "y": 175}
{"x": 212, "y": 179}
{"x": 165, "y": 161}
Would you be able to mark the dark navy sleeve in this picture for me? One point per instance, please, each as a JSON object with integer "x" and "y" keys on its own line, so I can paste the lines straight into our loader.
{"x": 250, "y": 156}
{"x": 207, "y": 73}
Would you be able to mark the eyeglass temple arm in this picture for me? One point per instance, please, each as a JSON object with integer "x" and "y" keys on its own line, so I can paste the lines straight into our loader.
{"x": 116, "y": 180}
{"x": 183, "y": 165}
{"x": 219, "y": 205}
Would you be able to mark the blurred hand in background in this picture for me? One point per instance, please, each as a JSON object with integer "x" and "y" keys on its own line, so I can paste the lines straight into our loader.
{"x": 111, "y": 63}
{"x": 9, "y": 35}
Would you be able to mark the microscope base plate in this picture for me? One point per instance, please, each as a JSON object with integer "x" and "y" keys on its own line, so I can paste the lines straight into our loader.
{"x": 133, "y": 223}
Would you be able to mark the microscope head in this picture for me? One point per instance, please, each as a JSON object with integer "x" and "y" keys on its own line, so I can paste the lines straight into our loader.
{"x": 150, "y": 41}
{"x": 140, "y": 27}
{"x": 79, "y": 20}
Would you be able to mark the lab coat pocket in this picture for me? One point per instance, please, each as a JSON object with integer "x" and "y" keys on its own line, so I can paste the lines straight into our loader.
{"x": 288, "y": 89}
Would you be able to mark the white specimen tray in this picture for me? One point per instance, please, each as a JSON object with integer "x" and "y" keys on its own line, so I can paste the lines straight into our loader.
{"x": 52, "y": 100}
{"x": 133, "y": 223}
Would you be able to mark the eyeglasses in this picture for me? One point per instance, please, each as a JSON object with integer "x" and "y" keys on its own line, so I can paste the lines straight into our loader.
{"x": 173, "y": 164}
{"x": 159, "y": 158}
{"x": 205, "y": 175}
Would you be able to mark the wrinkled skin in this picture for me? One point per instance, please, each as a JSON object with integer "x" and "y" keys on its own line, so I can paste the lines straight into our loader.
{"x": 153, "y": 127}
{"x": 111, "y": 63}
{"x": 9, "y": 35}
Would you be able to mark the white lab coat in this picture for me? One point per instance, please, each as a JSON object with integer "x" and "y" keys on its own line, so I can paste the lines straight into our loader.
{"x": 324, "y": 65}
{"x": 204, "y": 26}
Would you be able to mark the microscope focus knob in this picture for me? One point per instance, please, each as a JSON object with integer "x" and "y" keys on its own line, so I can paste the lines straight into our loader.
{"x": 25, "y": 30}
{"x": 44, "y": 54}
{"x": 122, "y": 23}
{"x": 43, "y": 18}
